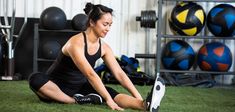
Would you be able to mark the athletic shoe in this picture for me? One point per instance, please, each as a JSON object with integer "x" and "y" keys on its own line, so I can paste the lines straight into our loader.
{"x": 88, "y": 99}
{"x": 153, "y": 100}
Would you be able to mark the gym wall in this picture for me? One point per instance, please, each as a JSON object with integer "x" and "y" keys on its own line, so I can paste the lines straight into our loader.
{"x": 126, "y": 35}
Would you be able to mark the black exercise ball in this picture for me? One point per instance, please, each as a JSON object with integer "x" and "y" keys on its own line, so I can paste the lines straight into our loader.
{"x": 50, "y": 49}
{"x": 53, "y": 18}
{"x": 187, "y": 18}
{"x": 79, "y": 22}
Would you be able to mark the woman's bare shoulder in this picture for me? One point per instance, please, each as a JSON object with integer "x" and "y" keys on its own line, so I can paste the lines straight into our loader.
{"x": 76, "y": 39}
{"x": 104, "y": 45}
{"x": 74, "y": 42}
{"x": 105, "y": 48}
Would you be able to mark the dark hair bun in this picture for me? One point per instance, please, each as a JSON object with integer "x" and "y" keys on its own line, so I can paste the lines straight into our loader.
{"x": 89, "y": 7}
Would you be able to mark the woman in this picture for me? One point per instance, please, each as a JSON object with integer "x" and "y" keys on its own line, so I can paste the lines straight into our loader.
{"x": 72, "y": 79}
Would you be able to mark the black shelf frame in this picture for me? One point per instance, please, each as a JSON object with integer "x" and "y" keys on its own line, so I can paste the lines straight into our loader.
{"x": 62, "y": 31}
{"x": 43, "y": 59}
{"x": 197, "y": 72}
{"x": 161, "y": 36}
{"x": 199, "y": 37}
{"x": 37, "y": 30}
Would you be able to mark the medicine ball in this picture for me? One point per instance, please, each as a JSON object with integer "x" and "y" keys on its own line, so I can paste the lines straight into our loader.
{"x": 187, "y": 18}
{"x": 50, "y": 49}
{"x": 53, "y": 18}
{"x": 214, "y": 56}
{"x": 177, "y": 55}
{"x": 221, "y": 20}
{"x": 79, "y": 22}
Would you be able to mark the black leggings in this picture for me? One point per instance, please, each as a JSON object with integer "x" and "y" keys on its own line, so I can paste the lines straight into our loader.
{"x": 37, "y": 80}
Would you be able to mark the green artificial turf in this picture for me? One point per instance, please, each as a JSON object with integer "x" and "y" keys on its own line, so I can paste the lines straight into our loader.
{"x": 15, "y": 96}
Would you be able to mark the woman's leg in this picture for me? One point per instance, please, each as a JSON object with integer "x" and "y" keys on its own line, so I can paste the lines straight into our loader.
{"x": 122, "y": 100}
{"x": 152, "y": 101}
{"x": 51, "y": 91}
{"x": 47, "y": 90}
{"x": 126, "y": 101}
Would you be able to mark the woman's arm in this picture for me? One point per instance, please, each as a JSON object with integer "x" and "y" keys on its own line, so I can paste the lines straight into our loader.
{"x": 119, "y": 74}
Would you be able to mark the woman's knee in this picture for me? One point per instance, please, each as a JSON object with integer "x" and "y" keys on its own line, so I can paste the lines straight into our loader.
{"x": 37, "y": 80}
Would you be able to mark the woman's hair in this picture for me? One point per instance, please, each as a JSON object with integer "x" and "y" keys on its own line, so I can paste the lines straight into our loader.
{"x": 94, "y": 12}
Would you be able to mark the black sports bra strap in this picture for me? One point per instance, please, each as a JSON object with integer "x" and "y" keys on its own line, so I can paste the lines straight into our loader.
{"x": 100, "y": 43}
{"x": 84, "y": 35}
{"x": 85, "y": 41}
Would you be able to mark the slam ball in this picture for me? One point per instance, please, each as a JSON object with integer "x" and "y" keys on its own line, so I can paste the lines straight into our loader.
{"x": 178, "y": 55}
{"x": 187, "y": 18}
{"x": 221, "y": 20}
{"x": 53, "y": 18}
{"x": 79, "y": 22}
{"x": 50, "y": 49}
{"x": 214, "y": 56}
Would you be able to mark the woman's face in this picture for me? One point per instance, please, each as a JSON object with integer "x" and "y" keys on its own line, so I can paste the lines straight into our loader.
{"x": 102, "y": 26}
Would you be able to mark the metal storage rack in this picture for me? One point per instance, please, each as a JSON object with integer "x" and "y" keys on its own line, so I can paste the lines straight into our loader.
{"x": 36, "y": 57}
{"x": 161, "y": 36}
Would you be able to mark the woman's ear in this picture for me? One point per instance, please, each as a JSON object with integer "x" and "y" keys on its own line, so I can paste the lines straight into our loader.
{"x": 92, "y": 23}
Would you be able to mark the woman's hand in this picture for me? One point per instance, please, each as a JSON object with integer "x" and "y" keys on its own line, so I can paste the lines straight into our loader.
{"x": 113, "y": 105}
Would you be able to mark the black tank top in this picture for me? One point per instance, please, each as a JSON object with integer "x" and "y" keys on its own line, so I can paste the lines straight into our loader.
{"x": 64, "y": 71}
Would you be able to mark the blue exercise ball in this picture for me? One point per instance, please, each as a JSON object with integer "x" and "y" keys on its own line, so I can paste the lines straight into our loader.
{"x": 214, "y": 56}
{"x": 221, "y": 20}
{"x": 177, "y": 55}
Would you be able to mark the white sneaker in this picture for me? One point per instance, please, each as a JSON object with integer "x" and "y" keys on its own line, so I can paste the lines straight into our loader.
{"x": 153, "y": 100}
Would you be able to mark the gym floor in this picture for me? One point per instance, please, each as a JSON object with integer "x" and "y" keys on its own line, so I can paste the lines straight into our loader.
{"x": 17, "y": 97}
